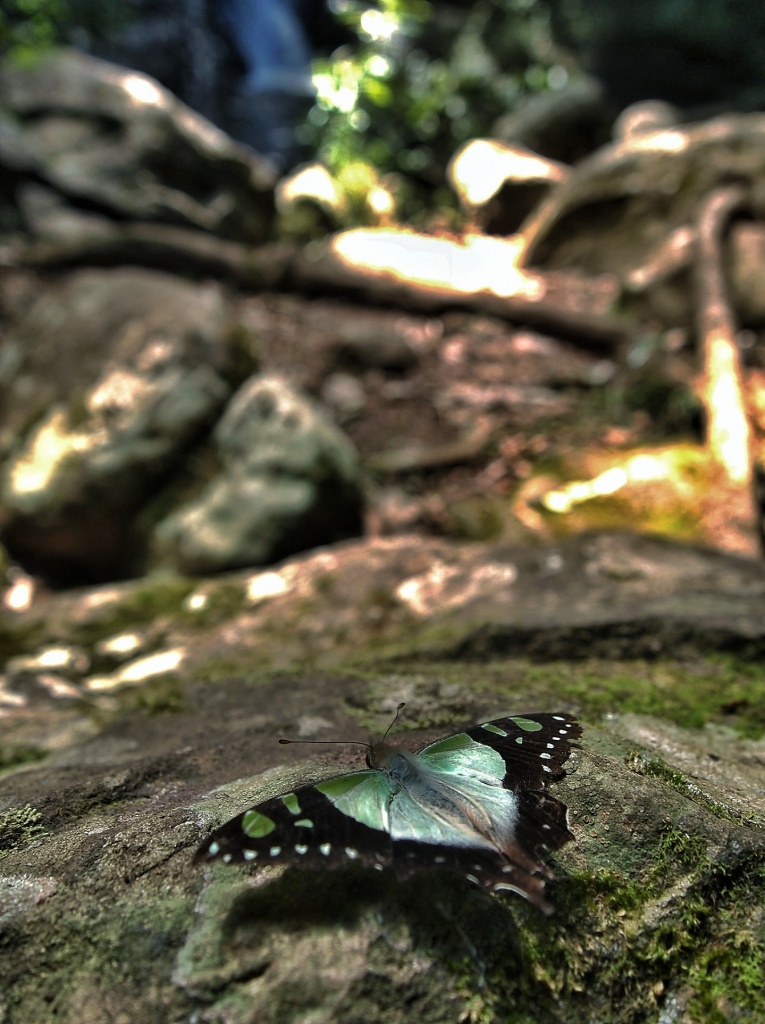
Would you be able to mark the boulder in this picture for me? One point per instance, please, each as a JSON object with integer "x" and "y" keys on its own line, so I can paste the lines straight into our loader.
{"x": 119, "y": 373}
{"x": 290, "y": 480}
{"x": 117, "y": 142}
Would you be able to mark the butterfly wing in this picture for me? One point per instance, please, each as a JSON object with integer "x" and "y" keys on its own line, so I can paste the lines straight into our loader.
{"x": 493, "y": 777}
{"x": 327, "y": 824}
{"x": 474, "y": 802}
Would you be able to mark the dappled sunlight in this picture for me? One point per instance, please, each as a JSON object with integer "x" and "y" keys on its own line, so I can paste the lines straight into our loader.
{"x": 18, "y": 597}
{"x": 51, "y": 444}
{"x": 642, "y": 467}
{"x": 142, "y": 90}
{"x": 728, "y": 433}
{"x": 669, "y": 141}
{"x": 465, "y": 266}
{"x": 152, "y": 666}
{"x": 478, "y": 169}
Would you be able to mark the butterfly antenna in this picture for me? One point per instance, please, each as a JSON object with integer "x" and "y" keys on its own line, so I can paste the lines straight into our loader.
{"x": 395, "y": 719}
{"x": 345, "y": 743}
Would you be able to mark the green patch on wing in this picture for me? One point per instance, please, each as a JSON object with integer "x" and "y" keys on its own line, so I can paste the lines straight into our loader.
{"x": 256, "y": 825}
{"x": 291, "y": 802}
{"x": 363, "y": 796}
{"x": 527, "y": 724}
{"x": 491, "y": 727}
{"x": 461, "y": 755}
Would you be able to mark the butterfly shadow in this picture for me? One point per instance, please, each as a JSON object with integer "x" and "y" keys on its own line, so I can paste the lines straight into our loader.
{"x": 445, "y": 916}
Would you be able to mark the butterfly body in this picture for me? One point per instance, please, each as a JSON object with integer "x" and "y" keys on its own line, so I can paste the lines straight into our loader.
{"x": 474, "y": 801}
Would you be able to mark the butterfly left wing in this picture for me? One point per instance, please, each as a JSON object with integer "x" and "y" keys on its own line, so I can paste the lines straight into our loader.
{"x": 324, "y": 825}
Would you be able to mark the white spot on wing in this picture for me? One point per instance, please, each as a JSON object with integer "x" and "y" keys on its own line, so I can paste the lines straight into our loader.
{"x": 275, "y": 851}
{"x": 226, "y": 858}
{"x": 213, "y": 849}
{"x": 301, "y": 849}
{"x": 325, "y": 848}
{"x": 350, "y": 853}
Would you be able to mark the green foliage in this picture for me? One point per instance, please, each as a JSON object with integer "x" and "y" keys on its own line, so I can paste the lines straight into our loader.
{"x": 422, "y": 79}
{"x": 29, "y": 27}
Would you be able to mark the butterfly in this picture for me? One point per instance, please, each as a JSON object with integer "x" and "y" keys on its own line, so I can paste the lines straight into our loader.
{"x": 474, "y": 801}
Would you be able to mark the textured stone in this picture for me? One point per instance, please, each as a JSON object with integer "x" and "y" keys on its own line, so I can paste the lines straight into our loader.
{"x": 290, "y": 480}
{"x": 116, "y": 140}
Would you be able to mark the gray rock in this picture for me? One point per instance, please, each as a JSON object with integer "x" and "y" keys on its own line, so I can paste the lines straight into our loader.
{"x": 122, "y": 371}
{"x": 290, "y": 480}
{"x": 655, "y": 179}
{"x": 117, "y": 141}
{"x": 657, "y": 904}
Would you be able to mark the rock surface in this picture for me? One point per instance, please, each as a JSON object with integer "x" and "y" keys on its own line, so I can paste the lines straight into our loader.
{"x": 115, "y": 141}
{"x": 290, "y": 480}
{"x": 104, "y": 799}
{"x": 119, "y": 373}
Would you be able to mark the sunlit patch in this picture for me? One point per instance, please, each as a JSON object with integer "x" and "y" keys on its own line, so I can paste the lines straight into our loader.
{"x": 150, "y": 667}
{"x": 379, "y": 26}
{"x": 51, "y": 443}
{"x": 448, "y": 586}
{"x": 19, "y": 596}
{"x": 468, "y": 266}
{"x": 478, "y": 169}
{"x": 265, "y": 585}
{"x": 668, "y": 141}
{"x": 257, "y": 825}
{"x": 123, "y": 643}
{"x": 196, "y": 602}
{"x": 641, "y": 468}
{"x": 142, "y": 90}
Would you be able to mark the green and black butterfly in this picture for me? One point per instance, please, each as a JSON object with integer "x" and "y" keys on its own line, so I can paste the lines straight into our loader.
{"x": 474, "y": 802}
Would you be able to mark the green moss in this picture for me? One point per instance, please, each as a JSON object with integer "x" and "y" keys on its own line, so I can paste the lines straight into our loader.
{"x": 224, "y": 600}
{"x": 719, "y": 690}
{"x": 658, "y": 769}
{"x": 161, "y": 696}
{"x": 603, "y": 941}
{"x": 10, "y": 757}
{"x": 729, "y": 973}
{"x": 223, "y": 668}
{"x": 19, "y": 827}
{"x": 156, "y": 599}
